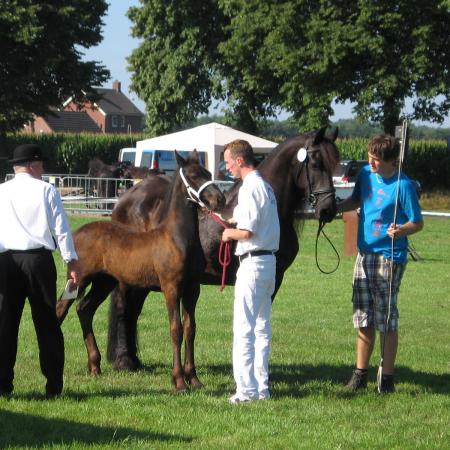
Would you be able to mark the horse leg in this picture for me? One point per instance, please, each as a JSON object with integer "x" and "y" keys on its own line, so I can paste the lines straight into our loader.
{"x": 173, "y": 310}
{"x": 100, "y": 288}
{"x": 189, "y": 303}
{"x": 122, "y": 330}
{"x": 62, "y": 308}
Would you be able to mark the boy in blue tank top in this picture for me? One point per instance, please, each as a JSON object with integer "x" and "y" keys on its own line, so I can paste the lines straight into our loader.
{"x": 375, "y": 194}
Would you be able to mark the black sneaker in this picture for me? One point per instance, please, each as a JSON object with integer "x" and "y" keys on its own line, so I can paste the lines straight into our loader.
{"x": 387, "y": 384}
{"x": 357, "y": 381}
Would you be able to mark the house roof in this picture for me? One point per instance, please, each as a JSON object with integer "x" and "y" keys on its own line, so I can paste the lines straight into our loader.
{"x": 75, "y": 121}
{"x": 115, "y": 102}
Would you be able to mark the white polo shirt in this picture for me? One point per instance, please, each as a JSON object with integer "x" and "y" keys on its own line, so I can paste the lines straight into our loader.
{"x": 256, "y": 211}
{"x": 32, "y": 216}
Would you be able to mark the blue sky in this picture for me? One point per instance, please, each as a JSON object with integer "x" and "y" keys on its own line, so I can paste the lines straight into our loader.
{"x": 117, "y": 44}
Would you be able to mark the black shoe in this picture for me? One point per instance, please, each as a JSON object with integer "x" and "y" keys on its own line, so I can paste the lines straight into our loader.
{"x": 53, "y": 390}
{"x": 387, "y": 384}
{"x": 357, "y": 381}
{"x": 6, "y": 390}
{"x": 5, "y": 394}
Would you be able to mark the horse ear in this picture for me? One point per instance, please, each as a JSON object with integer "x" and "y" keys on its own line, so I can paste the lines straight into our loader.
{"x": 180, "y": 160}
{"x": 319, "y": 135}
{"x": 335, "y": 134}
{"x": 193, "y": 156}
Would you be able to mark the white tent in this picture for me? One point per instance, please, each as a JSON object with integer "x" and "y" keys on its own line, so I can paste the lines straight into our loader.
{"x": 209, "y": 138}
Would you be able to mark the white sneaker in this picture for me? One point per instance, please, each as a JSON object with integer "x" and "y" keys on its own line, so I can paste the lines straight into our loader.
{"x": 236, "y": 399}
{"x": 263, "y": 397}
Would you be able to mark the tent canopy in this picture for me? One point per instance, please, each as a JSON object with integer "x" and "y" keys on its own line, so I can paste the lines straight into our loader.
{"x": 210, "y": 138}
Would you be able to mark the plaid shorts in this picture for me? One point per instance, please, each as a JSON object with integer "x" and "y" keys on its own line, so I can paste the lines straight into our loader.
{"x": 371, "y": 292}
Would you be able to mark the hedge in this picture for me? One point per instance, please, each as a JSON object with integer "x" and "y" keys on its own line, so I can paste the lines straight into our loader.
{"x": 71, "y": 152}
{"x": 427, "y": 160}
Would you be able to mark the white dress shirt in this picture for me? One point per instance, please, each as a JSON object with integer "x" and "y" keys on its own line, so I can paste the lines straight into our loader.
{"x": 32, "y": 216}
{"x": 256, "y": 211}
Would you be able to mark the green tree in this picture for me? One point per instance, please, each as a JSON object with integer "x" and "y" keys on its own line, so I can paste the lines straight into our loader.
{"x": 261, "y": 56}
{"x": 173, "y": 67}
{"x": 40, "y": 63}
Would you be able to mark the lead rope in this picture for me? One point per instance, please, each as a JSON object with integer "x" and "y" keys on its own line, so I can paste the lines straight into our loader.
{"x": 320, "y": 230}
{"x": 391, "y": 265}
{"x": 224, "y": 249}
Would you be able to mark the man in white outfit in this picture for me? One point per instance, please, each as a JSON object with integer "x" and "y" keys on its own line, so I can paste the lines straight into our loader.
{"x": 257, "y": 234}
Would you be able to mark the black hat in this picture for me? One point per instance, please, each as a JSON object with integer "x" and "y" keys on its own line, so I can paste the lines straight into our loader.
{"x": 27, "y": 153}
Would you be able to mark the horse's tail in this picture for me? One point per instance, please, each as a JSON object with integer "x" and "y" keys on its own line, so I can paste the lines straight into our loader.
{"x": 111, "y": 349}
{"x": 122, "y": 331}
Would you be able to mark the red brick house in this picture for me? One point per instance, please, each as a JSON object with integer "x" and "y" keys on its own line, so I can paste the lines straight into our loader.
{"x": 113, "y": 113}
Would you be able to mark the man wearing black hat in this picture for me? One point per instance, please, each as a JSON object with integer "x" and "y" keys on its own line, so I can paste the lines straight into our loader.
{"x": 33, "y": 223}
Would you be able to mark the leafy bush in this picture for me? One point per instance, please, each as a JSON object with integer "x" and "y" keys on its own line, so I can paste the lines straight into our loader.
{"x": 427, "y": 161}
{"x": 71, "y": 152}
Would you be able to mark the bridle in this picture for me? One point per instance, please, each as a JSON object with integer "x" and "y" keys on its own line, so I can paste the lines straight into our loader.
{"x": 303, "y": 156}
{"x": 314, "y": 197}
{"x": 194, "y": 196}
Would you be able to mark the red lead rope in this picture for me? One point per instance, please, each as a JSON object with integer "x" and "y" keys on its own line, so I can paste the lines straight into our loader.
{"x": 224, "y": 249}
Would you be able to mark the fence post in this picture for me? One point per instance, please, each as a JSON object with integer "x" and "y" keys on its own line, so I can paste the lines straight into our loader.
{"x": 350, "y": 220}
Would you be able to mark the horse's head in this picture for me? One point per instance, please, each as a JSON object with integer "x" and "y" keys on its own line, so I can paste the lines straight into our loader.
{"x": 316, "y": 160}
{"x": 300, "y": 169}
{"x": 198, "y": 182}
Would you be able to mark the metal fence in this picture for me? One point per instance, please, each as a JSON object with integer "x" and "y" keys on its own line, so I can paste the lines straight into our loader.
{"x": 81, "y": 194}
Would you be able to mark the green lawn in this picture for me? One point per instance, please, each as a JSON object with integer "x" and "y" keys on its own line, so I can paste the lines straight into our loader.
{"x": 312, "y": 358}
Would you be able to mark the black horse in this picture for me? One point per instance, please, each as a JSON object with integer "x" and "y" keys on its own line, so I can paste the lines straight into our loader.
{"x": 105, "y": 176}
{"x": 293, "y": 182}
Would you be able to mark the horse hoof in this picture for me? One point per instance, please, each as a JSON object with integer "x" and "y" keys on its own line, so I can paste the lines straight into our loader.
{"x": 179, "y": 387}
{"x": 125, "y": 363}
{"x": 195, "y": 383}
{"x": 94, "y": 370}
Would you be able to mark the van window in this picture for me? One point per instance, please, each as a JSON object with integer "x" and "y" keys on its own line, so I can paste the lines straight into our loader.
{"x": 147, "y": 158}
{"x": 129, "y": 156}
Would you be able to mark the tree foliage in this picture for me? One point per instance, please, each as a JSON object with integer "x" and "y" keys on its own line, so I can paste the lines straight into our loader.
{"x": 40, "y": 63}
{"x": 261, "y": 56}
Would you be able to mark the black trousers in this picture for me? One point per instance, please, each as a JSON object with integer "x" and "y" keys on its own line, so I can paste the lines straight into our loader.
{"x": 31, "y": 274}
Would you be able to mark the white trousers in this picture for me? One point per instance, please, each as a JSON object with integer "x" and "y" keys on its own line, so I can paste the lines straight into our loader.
{"x": 255, "y": 283}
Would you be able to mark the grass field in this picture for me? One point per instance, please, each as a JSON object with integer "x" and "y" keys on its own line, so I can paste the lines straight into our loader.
{"x": 311, "y": 359}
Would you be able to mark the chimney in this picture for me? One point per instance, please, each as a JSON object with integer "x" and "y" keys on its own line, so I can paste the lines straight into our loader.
{"x": 116, "y": 86}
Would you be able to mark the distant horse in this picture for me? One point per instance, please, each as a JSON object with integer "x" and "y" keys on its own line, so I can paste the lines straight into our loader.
{"x": 106, "y": 188}
{"x": 293, "y": 182}
{"x": 169, "y": 258}
{"x": 139, "y": 173}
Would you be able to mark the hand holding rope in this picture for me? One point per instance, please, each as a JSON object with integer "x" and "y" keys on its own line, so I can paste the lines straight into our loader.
{"x": 224, "y": 249}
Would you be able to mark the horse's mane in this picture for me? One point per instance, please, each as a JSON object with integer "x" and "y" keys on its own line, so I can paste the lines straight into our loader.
{"x": 329, "y": 151}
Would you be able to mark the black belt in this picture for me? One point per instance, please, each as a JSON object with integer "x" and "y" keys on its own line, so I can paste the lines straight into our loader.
{"x": 255, "y": 253}
{"x": 31, "y": 250}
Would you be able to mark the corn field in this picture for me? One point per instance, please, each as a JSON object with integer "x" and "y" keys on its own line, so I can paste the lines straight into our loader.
{"x": 427, "y": 161}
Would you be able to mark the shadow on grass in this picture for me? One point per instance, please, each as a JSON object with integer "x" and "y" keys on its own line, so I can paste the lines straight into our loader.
{"x": 287, "y": 380}
{"x": 295, "y": 380}
{"x": 26, "y": 430}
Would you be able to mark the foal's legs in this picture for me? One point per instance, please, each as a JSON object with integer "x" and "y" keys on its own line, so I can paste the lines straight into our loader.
{"x": 62, "y": 308}
{"x": 173, "y": 309}
{"x": 189, "y": 302}
{"x": 100, "y": 288}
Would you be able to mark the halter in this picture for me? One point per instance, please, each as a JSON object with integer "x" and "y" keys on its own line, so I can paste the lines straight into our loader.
{"x": 303, "y": 156}
{"x": 194, "y": 196}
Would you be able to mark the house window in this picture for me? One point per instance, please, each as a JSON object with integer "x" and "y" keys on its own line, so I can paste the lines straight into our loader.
{"x": 122, "y": 121}
{"x": 114, "y": 121}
